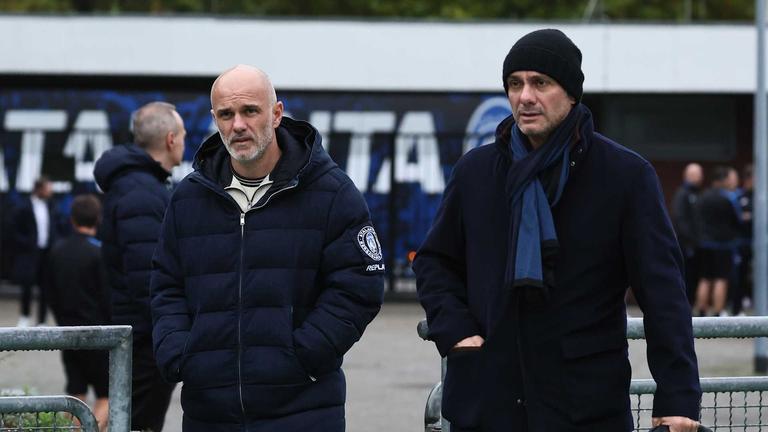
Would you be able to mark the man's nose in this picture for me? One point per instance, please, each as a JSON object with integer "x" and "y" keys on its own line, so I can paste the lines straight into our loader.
{"x": 527, "y": 95}
{"x": 238, "y": 123}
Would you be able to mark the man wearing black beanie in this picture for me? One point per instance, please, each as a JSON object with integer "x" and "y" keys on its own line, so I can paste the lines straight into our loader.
{"x": 524, "y": 272}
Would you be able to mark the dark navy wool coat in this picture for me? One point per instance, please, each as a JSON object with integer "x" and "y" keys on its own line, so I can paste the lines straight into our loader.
{"x": 254, "y": 311}
{"x": 136, "y": 195}
{"x": 558, "y": 366}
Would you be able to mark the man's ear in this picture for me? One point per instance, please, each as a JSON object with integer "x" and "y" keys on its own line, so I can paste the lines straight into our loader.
{"x": 169, "y": 138}
{"x": 277, "y": 114}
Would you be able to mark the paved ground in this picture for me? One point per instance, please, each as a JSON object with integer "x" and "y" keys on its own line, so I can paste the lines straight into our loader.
{"x": 389, "y": 372}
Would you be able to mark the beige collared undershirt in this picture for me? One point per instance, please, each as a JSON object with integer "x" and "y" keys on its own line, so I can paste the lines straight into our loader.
{"x": 246, "y": 196}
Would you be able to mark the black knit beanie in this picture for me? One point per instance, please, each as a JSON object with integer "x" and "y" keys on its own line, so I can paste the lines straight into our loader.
{"x": 550, "y": 52}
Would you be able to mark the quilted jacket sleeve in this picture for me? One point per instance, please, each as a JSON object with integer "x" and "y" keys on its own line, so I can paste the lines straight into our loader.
{"x": 170, "y": 314}
{"x": 137, "y": 215}
{"x": 352, "y": 274}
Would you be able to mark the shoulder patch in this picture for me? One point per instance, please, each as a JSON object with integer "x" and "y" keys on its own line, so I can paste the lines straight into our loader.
{"x": 369, "y": 242}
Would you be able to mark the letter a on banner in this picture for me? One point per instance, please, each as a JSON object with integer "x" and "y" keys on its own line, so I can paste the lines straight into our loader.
{"x": 91, "y": 131}
{"x": 33, "y": 124}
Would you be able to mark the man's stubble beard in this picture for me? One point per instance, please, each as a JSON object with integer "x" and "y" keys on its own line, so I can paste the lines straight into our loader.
{"x": 262, "y": 142}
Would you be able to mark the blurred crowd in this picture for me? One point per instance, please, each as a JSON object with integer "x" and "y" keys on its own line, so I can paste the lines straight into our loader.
{"x": 712, "y": 216}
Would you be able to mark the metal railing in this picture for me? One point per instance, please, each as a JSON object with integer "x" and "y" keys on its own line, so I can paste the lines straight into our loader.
{"x": 728, "y": 403}
{"x": 42, "y": 413}
{"x": 116, "y": 339}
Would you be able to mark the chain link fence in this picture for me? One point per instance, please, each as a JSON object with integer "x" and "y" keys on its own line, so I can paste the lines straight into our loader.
{"x": 729, "y": 404}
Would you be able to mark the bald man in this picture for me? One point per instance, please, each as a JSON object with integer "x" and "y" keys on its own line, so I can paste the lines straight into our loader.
{"x": 684, "y": 220}
{"x": 267, "y": 271}
{"x": 135, "y": 180}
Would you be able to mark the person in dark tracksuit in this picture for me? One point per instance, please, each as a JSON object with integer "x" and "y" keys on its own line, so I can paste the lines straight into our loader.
{"x": 720, "y": 221}
{"x": 523, "y": 273}
{"x": 79, "y": 296}
{"x": 135, "y": 179}
{"x": 267, "y": 271}
{"x": 743, "y": 293}
{"x": 684, "y": 220}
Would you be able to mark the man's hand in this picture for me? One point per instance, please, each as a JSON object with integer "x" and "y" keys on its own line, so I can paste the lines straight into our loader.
{"x": 676, "y": 424}
{"x": 470, "y": 342}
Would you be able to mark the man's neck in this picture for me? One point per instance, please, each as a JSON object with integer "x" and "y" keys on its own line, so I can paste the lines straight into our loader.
{"x": 162, "y": 158}
{"x": 260, "y": 167}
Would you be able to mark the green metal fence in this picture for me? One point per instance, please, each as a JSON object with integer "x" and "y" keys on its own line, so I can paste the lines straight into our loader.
{"x": 63, "y": 413}
{"x": 728, "y": 403}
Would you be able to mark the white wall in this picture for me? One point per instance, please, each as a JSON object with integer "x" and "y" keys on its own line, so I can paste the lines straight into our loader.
{"x": 375, "y": 55}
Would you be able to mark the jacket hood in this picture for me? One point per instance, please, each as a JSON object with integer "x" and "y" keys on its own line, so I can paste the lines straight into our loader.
{"x": 123, "y": 158}
{"x": 303, "y": 156}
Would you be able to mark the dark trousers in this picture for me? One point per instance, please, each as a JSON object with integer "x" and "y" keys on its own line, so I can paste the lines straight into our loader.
{"x": 742, "y": 279}
{"x": 692, "y": 273}
{"x": 38, "y": 278}
{"x": 151, "y": 395}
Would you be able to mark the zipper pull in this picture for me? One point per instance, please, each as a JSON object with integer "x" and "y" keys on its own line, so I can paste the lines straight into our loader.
{"x": 242, "y": 219}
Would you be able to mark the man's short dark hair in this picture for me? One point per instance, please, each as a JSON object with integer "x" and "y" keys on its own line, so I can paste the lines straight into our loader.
{"x": 40, "y": 182}
{"x": 720, "y": 173}
{"x": 748, "y": 171}
{"x": 86, "y": 211}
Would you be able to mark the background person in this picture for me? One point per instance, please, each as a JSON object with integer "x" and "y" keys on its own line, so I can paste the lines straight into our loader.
{"x": 742, "y": 292}
{"x": 34, "y": 231}
{"x": 79, "y": 296}
{"x": 720, "y": 224}
{"x": 684, "y": 220}
{"x": 135, "y": 179}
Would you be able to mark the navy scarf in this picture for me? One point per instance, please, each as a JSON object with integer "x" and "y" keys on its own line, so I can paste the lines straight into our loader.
{"x": 535, "y": 182}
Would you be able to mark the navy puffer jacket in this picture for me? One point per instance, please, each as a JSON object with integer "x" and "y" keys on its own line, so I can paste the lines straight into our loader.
{"x": 254, "y": 311}
{"x": 136, "y": 197}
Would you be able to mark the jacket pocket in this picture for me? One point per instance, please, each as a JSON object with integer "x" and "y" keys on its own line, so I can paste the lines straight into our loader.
{"x": 596, "y": 376}
{"x": 314, "y": 364}
{"x": 462, "y": 388}
{"x": 309, "y": 375}
{"x": 183, "y": 358}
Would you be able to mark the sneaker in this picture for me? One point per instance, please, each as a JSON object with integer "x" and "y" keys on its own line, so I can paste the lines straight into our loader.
{"x": 746, "y": 303}
{"x": 724, "y": 313}
{"x": 23, "y": 322}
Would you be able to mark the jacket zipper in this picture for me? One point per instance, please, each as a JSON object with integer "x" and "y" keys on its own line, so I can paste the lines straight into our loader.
{"x": 289, "y": 187}
{"x": 240, "y": 315}
{"x": 203, "y": 181}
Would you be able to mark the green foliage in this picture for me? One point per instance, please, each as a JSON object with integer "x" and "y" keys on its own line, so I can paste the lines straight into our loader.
{"x": 567, "y": 10}
{"x": 28, "y": 421}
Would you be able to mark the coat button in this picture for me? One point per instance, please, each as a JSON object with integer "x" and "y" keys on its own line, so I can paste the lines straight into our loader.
{"x": 520, "y": 402}
{"x": 579, "y": 150}
{"x": 573, "y": 164}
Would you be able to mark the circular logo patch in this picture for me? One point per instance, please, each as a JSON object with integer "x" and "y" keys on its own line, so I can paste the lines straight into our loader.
{"x": 369, "y": 242}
